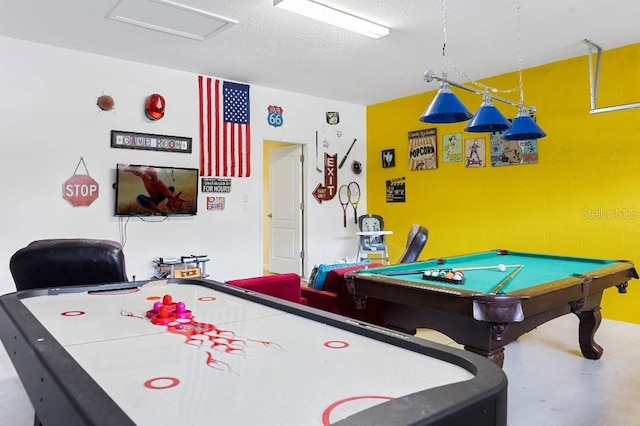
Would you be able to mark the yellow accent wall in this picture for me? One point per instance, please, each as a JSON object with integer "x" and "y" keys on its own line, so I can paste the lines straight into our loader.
{"x": 582, "y": 198}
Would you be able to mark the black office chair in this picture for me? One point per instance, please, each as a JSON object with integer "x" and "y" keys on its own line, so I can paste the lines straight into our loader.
{"x": 65, "y": 262}
{"x": 417, "y": 239}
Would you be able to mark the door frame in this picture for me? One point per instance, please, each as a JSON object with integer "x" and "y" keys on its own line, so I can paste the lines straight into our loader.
{"x": 265, "y": 237}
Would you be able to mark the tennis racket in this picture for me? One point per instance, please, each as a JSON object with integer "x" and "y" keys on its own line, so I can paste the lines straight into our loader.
{"x": 343, "y": 196}
{"x": 354, "y": 198}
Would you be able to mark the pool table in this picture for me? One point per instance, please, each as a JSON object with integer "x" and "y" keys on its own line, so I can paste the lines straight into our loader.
{"x": 107, "y": 355}
{"x": 488, "y": 310}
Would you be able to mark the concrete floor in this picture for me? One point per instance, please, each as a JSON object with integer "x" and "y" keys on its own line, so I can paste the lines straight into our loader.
{"x": 550, "y": 383}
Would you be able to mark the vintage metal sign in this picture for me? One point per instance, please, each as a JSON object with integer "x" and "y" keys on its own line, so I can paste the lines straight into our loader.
{"x": 333, "y": 118}
{"x": 215, "y": 203}
{"x": 327, "y": 191}
{"x": 80, "y": 190}
{"x": 422, "y": 149}
{"x": 215, "y": 185}
{"x": 274, "y": 117}
{"x": 396, "y": 191}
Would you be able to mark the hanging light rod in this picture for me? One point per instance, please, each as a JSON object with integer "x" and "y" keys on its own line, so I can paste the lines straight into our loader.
{"x": 446, "y": 108}
{"x": 429, "y": 76}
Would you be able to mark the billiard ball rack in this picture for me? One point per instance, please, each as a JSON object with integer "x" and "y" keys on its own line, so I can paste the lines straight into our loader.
{"x": 447, "y": 275}
{"x": 443, "y": 275}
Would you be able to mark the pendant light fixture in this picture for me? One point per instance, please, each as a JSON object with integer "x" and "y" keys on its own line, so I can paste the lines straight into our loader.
{"x": 447, "y": 108}
{"x": 488, "y": 118}
{"x": 523, "y": 128}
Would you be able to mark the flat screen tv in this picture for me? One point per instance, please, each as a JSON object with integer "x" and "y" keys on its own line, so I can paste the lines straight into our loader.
{"x": 156, "y": 190}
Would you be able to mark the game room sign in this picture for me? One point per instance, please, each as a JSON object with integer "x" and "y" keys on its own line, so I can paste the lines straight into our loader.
{"x": 149, "y": 142}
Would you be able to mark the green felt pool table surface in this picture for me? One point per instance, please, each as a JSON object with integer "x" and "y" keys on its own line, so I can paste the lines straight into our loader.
{"x": 487, "y": 311}
{"x": 537, "y": 270}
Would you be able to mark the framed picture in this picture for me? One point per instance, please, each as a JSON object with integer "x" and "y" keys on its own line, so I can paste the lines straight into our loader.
{"x": 475, "y": 152}
{"x": 150, "y": 142}
{"x": 510, "y": 153}
{"x": 388, "y": 158}
{"x": 452, "y": 148}
{"x": 423, "y": 153}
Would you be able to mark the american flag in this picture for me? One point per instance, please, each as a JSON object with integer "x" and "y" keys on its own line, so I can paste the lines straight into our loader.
{"x": 225, "y": 130}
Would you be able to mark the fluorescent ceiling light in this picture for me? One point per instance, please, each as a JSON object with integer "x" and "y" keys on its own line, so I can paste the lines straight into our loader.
{"x": 170, "y": 17}
{"x": 326, "y": 14}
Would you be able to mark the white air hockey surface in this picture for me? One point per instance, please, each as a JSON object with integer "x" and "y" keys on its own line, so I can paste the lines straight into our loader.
{"x": 257, "y": 365}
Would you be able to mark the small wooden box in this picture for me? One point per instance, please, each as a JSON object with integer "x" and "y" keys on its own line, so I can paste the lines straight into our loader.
{"x": 187, "y": 273}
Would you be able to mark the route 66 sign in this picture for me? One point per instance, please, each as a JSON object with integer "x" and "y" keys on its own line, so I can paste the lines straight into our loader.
{"x": 274, "y": 117}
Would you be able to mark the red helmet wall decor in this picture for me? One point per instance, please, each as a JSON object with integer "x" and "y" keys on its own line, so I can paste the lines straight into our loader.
{"x": 154, "y": 108}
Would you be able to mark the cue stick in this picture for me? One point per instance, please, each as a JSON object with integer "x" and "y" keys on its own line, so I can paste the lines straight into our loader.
{"x": 419, "y": 271}
{"x": 478, "y": 268}
{"x": 505, "y": 281}
{"x": 406, "y": 272}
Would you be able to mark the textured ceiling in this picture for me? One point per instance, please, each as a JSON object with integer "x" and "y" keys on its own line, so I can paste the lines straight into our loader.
{"x": 275, "y": 48}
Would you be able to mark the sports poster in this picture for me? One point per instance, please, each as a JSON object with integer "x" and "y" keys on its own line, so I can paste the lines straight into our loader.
{"x": 452, "y": 148}
{"x": 475, "y": 152}
{"x": 422, "y": 149}
{"x": 509, "y": 153}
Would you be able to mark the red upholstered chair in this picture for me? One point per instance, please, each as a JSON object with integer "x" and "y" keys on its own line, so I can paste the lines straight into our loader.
{"x": 282, "y": 286}
{"x": 336, "y": 298}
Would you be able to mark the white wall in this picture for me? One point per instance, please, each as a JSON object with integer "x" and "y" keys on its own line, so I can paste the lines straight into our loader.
{"x": 49, "y": 119}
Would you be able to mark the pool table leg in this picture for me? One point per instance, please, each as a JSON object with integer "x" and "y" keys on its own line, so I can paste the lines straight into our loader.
{"x": 589, "y": 323}
{"x": 497, "y": 355}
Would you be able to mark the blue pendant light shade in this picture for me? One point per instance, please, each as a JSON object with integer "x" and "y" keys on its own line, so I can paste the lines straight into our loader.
{"x": 445, "y": 108}
{"x": 523, "y": 128}
{"x": 487, "y": 119}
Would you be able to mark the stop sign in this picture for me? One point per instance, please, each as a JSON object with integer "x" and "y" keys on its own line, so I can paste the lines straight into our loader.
{"x": 80, "y": 190}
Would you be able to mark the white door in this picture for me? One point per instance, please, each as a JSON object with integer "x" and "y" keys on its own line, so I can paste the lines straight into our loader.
{"x": 285, "y": 209}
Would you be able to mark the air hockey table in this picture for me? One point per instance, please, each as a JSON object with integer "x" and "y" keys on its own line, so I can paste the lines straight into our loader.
{"x": 106, "y": 355}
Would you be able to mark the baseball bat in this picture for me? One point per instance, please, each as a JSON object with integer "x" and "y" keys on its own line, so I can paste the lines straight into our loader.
{"x": 347, "y": 154}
